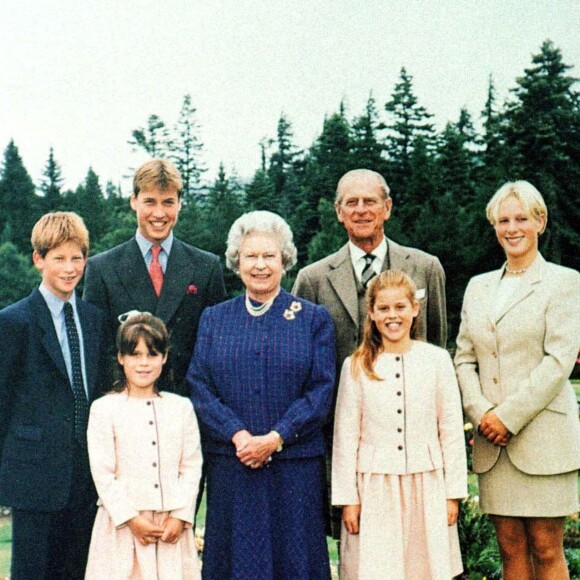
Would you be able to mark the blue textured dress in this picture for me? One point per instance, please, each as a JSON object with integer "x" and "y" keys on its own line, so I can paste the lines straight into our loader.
{"x": 275, "y": 371}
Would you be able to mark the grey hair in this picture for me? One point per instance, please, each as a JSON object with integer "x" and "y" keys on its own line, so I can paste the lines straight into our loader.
{"x": 264, "y": 222}
{"x": 364, "y": 173}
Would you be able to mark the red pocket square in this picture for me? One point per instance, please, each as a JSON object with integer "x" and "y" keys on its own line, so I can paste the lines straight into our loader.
{"x": 191, "y": 289}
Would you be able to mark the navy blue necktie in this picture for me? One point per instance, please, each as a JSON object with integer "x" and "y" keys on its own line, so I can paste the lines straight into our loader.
{"x": 80, "y": 397}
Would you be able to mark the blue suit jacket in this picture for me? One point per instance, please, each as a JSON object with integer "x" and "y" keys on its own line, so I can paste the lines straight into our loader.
{"x": 37, "y": 403}
{"x": 262, "y": 373}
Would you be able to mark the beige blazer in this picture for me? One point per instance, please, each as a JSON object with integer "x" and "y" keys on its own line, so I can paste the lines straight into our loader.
{"x": 145, "y": 455}
{"x": 519, "y": 362}
{"x": 332, "y": 283}
{"x": 409, "y": 422}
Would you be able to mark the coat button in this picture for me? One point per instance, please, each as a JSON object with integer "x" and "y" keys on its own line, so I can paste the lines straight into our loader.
{"x": 495, "y": 380}
{"x": 399, "y": 411}
{"x": 150, "y": 422}
{"x": 400, "y": 448}
{"x": 156, "y": 485}
{"x": 397, "y": 358}
{"x": 154, "y": 464}
{"x": 153, "y": 442}
{"x": 148, "y": 402}
{"x": 398, "y": 375}
{"x": 399, "y": 430}
{"x": 399, "y": 393}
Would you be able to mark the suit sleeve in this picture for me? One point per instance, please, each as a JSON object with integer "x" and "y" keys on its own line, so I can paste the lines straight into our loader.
{"x": 303, "y": 288}
{"x": 102, "y": 457}
{"x": 221, "y": 422}
{"x": 309, "y": 412}
{"x": 12, "y": 338}
{"x": 347, "y": 431}
{"x": 216, "y": 287}
{"x": 450, "y": 426}
{"x": 467, "y": 368}
{"x": 436, "y": 306}
{"x": 190, "y": 465}
{"x": 561, "y": 343}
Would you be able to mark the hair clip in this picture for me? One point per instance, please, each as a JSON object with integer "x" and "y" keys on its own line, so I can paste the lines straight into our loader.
{"x": 122, "y": 318}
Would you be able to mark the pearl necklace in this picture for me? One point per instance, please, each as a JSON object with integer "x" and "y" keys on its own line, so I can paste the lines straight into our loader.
{"x": 261, "y": 309}
{"x": 510, "y": 271}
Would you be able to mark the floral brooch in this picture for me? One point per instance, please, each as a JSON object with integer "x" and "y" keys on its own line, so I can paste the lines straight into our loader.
{"x": 290, "y": 313}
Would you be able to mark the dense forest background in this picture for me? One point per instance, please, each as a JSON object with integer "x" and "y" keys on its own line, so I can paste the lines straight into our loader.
{"x": 440, "y": 180}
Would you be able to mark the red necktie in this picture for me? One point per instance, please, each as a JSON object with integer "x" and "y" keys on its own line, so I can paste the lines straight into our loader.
{"x": 155, "y": 270}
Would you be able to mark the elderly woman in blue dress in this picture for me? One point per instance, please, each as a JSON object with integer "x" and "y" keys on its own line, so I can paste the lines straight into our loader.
{"x": 261, "y": 382}
{"x": 519, "y": 337}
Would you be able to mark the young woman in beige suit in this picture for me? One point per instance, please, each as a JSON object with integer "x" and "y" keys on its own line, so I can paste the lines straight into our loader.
{"x": 145, "y": 459}
{"x": 516, "y": 348}
{"x": 399, "y": 465}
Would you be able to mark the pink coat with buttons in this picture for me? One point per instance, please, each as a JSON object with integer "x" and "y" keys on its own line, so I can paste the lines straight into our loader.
{"x": 409, "y": 422}
{"x": 145, "y": 454}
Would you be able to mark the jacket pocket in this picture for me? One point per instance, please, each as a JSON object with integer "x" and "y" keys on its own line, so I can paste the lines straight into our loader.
{"x": 560, "y": 403}
{"x": 436, "y": 456}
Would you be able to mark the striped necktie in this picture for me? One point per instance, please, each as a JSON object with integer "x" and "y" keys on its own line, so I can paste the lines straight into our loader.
{"x": 80, "y": 397}
{"x": 368, "y": 272}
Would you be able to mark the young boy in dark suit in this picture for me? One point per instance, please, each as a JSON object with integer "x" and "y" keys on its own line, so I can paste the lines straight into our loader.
{"x": 51, "y": 345}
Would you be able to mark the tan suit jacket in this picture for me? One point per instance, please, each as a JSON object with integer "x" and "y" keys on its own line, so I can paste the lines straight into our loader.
{"x": 332, "y": 283}
{"x": 409, "y": 422}
{"x": 518, "y": 362}
{"x": 145, "y": 455}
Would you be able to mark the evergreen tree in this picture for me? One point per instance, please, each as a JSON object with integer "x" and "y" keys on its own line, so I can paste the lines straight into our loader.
{"x": 17, "y": 276}
{"x": 186, "y": 150}
{"x": 326, "y": 162}
{"x": 367, "y": 150}
{"x": 88, "y": 201}
{"x": 409, "y": 120}
{"x": 20, "y": 205}
{"x": 542, "y": 145}
{"x": 153, "y": 139}
{"x": 51, "y": 185}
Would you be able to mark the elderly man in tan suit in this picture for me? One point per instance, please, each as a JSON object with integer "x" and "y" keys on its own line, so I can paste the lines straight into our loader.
{"x": 338, "y": 282}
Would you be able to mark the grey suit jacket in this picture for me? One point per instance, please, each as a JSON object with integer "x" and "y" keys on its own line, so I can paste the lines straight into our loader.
{"x": 518, "y": 362}
{"x": 332, "y": 283}
{"x": 118, "y": 281}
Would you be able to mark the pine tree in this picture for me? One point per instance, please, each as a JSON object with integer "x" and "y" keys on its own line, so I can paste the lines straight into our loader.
{"x": 186, "y": 150}
{"x": 153, "y": 139}
{"x": 367, "y": 150}
{"x": 17, "y": 276}
{"x": 51, "y": 185}
{"x": 20, "y": 205}
{"x": 409, "y": 120}
{"x": 88, "y": 201}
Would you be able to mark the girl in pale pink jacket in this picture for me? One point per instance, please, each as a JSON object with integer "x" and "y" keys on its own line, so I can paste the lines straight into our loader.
{"x": 145, "y": 457}
{"x": 398, "y": 464}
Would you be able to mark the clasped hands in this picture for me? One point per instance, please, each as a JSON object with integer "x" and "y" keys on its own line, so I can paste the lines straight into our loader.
{"x": 493, "y": 429}
{"x": 255, "y": 450}
{"x": 148, "y": 532}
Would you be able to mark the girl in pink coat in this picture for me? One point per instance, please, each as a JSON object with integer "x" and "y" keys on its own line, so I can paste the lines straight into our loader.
{"x": 145, "y": 457}
{"x": 398, "y": 464}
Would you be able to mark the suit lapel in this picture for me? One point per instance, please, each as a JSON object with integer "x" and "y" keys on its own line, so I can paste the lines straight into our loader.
{"x": 342, "y": 279}
{"x": 49, "y": 338}
{"x": 399, "y": 259}
{"x": 177, "y": 277}
{"x": 526, "y": 287}
{"x": 90, "y": 344}
{"x": 135, "y": 278}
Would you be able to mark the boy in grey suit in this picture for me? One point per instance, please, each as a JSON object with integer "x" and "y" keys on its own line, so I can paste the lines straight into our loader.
{"x": 338, "y": 282}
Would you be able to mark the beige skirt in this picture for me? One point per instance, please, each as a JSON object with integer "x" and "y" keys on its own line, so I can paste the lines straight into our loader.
{"x": 504, "y": 490}
{"x": 403, "y": 530}
{"x": 115, "y": 554}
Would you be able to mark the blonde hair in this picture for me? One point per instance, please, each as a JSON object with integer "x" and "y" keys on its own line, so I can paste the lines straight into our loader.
{"x": 157, "y": 174}
{"x": 365, "y": 356}
{"x": 56, "y": 228}
{"x": 530, "y": 198}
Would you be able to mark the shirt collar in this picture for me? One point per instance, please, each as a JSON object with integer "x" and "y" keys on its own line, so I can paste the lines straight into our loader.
{"x": 145, "y": 244}
{"x": 379, "y": 252}
{"x": 54, "y": 303}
